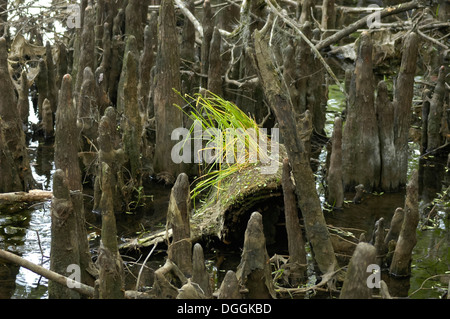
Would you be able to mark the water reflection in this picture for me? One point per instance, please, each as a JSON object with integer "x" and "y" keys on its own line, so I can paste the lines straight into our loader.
{"x": 27, "y": 232}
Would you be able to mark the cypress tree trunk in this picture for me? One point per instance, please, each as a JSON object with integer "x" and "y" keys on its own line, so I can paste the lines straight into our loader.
{"x": 11, "y": 125}
{"x": 360, "y": 142}
{"x": 167, "y": 77}
{"x": 64, "y": 244}
{"x": 308, "y": 199}
{"x": 111, "y": 272}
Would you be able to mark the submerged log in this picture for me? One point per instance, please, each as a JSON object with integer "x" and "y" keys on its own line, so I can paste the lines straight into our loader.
{"x": 401, "y": 259}
{"x": 355, "y": 283}
{"x": 254, "y": 271}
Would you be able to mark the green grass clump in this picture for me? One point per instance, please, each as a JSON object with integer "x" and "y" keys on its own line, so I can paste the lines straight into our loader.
{"x": 232, "y": 152}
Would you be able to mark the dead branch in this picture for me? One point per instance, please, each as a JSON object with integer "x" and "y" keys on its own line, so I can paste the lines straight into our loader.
{"x": 34, "y": 195}
{"x": 363, "y": 22}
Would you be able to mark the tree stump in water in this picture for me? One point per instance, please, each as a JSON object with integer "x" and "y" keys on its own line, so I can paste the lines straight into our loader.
{"x": 18, "y": 176}
{"x": 47, "y": 120}
{"x": 200, "y": 275}
{"x": 355, "y": 283}
{"x": 254, "y": 271}
{"x": 229, "y": 288}
{"x": 64, "y": 249}
{"x": 66, "y": 159}
{"x": 360, "y": 142}
{"x": 111, "y": 271}
{"x": 385, "y": 118}
{"x": 396, "y": 226}
{"x": 167, "y": 78}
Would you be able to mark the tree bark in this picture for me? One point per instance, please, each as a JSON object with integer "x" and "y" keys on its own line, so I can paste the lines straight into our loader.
{"x": 199, "y": 273}
{"x": 167, "y": 78}
{"x": 66, "y": 159}
{"x": 334, "y": 176}
{"x": 401, "y": 261}
{"x": 355, "y": 283}
{"x": 404, "y": 92}
{"x": 309, "y": 202}
{"x": 64, "y": 250}
{"x": 111, "y": 271}
{"x": 254, "y": 271}
{"x": 436, "y": 113}
{"x": 178, "y": 214}
{"x": 229, "y": 288}
{"x": 360, "y": 141}
{"x": 14, "y": 144}
{"x": 296, "y": 245}
{"x": 385, "y": 117}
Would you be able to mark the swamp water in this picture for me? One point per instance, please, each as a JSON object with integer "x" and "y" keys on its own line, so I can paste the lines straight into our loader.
{"x": 27, "y": 231}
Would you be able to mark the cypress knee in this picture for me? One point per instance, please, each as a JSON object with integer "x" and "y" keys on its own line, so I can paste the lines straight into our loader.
{"x": 334, "y": 176}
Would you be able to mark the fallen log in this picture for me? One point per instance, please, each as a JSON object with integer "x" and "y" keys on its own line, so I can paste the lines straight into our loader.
{"x": 33, "y": 195}
{"x": 60, "y": 279}
{"x": 51, "y": 275}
